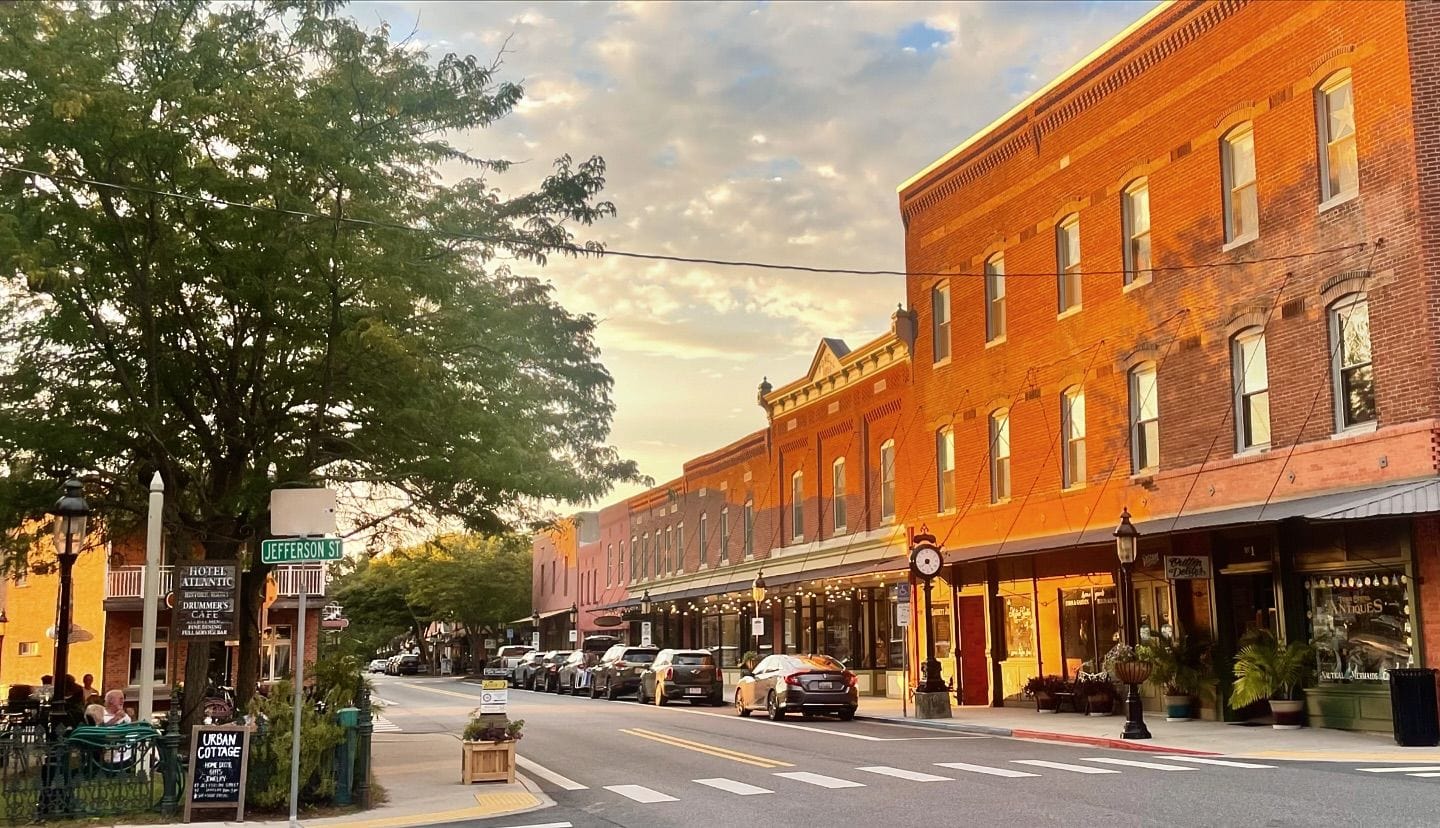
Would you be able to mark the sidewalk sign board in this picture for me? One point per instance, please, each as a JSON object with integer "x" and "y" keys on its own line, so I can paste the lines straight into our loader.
{"x": 207, "y": 600}
{"x": 494, "y": 690}
{"x": 219, "y": 755}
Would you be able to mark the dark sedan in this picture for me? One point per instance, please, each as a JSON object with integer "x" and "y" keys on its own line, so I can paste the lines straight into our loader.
{"x": 530, "y": 668}
{"x": 619, "y": 670}
{"x": 803, "y": 684}
{"x": 677, "y": 675}
{"x": 547, "y": 673}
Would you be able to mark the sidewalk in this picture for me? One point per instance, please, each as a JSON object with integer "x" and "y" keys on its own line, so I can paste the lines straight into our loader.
{"x": 421, "y": 777}
{"x": 1199, "y": 737}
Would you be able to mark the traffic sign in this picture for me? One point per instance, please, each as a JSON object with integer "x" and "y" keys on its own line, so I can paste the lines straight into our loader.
{"x": 902, "y": 614}
{"x": 902, "y": 593}
{"x": 301, "y": 550}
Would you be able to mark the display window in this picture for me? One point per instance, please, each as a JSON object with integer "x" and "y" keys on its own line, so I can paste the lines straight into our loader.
{"x": 1359, "y": 625}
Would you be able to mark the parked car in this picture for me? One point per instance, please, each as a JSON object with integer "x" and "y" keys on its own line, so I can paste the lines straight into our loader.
{"x": 682, "y": 674}
{"x": 619, "y": 670}
{"x": 798, "y": 683}
{"x": 390, "y": 665}
{"x": 377, "y": 665}
{"x": 408, "y": 665}
{"x": 509, "y": 658}
{"x": 528, "y": 666}
{"x": 574, "y": 674}
{"x": 548, "y": 674}
{"x": 598, "y": 644}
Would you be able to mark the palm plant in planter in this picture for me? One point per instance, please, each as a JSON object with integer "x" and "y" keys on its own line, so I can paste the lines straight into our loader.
{"x": 1266, "y": 669}
{"x": 1179, "y": 668}
{"x": 487, "y": 752}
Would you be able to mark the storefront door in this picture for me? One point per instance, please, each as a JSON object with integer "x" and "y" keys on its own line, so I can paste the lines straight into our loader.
{"x": 974, "y": 666}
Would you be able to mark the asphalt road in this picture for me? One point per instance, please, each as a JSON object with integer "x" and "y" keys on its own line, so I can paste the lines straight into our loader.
{"x": 609, "y": 763}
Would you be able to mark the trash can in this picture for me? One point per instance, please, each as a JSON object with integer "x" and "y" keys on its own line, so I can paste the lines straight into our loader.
{"x": 1412, "y": 707}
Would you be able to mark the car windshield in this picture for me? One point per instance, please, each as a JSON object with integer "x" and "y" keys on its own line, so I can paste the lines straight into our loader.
{"x": 638, "y": 656}
{"x": 695, "y": 658}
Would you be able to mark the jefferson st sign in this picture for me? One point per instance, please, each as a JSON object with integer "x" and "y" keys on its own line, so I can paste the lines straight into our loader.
{"x": 301, "y": 550}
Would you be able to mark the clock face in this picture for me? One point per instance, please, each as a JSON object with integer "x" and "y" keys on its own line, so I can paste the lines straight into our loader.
{"x": 927, "y": 561}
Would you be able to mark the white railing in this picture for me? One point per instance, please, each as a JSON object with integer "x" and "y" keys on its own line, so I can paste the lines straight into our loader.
{"x": 129, "y": 581}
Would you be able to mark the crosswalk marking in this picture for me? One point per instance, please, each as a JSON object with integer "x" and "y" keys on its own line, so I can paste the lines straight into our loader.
{"x": 640, "y": 793}
{"x": 1042, "y": 763}
{"x": 384, "y": 725}
{"x": 1224, "y": 763}
{"x": 913, "y": 776}
{"x": 731, "y": 786}
{"x": 1424, "y": 775}
{"x": 822, "y": 781}
{"x": 1008, "y": 773}
{"x": 1406, "y": 769}
{"x": 565, "y": 783}
{"x": 1131, "y": 763}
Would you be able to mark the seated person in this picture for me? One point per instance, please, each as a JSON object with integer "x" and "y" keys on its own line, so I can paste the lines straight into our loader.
{"x": 95, "y": 714}
{"x": 115, "y": 708}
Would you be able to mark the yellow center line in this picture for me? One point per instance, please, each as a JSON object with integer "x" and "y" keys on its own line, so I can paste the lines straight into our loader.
{"x": 442, "y": 692}
{"x": 713, "y": 750}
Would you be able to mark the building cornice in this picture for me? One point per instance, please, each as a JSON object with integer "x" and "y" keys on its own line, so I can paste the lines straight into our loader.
{"x": 831, "y": 375}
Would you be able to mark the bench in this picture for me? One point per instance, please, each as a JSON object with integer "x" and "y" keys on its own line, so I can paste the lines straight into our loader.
{"x": 114, "y": 749}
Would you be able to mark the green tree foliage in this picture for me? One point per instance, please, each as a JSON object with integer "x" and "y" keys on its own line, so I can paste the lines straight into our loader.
{"x": 269, "y": 782}
{"x": 233, "y": 350}
{"x": 375, "y": 593}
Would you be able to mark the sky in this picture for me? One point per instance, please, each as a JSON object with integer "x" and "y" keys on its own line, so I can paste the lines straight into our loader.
{"x": 763, "y": 131}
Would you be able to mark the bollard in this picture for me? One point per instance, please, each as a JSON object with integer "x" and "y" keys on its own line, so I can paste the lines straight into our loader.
{"x": 348, "y": 718}
{"x": 362, "y": 750}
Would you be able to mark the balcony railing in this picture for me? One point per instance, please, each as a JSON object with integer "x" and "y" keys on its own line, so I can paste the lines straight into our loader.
{"x": 129, "y": 581}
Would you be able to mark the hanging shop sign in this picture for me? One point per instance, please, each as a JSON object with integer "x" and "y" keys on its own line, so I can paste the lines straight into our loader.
{"x": 207, "y": 599}
{"x": 1187, "y": 567}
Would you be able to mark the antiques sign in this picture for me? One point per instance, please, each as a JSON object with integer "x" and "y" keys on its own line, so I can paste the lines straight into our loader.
{"x": 207, "y": 599}
{"x": 1187, "y": 567}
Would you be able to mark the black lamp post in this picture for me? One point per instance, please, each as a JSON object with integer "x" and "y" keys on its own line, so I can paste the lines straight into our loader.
{"x": 575, "y": 622}
{"x": 644, "y": 609}
{"x": 757, "y": 594}
{"x": 535, "y": 622}
{"x": 1127, "y": 539}
{"x": 71, "y": 512}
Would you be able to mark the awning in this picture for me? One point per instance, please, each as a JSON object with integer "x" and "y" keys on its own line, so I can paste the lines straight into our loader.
{"x": 1413, "y": 497}
{"x": 530, "y": 619}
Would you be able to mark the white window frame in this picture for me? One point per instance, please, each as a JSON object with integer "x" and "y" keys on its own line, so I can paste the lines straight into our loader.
{"x": 995, "y": 322}
{"x": 1068, "y": 292}
{"x": 1000, "y": 455}
{"x": 1338, "y": 368}
{"x": 749, "y": 529}
{"x": 670, "y": 549}
{"x": 945, "y": 470}
{"x": 609, "y": 564}
{"x": 940, "y": 322}
{"x": 1244, "y": 394}
{"x": 635, "y": 553}
{"x": 620, "y": 564}
{"x": 838, "y": 510}
{"x": 724, "y": 537}
{"x": 1140, "y": 428}
{"x": 703, "y": 540}
{"x": 1236, "y": 190}
{"x": 887, "y": 481}
{"x": 28, "y": 649}
{"x": 1332, "y": 191}
{"x": 797, "y": 506}
{"x": 1137, "y": 271}
{"x": 1072, "y": 437}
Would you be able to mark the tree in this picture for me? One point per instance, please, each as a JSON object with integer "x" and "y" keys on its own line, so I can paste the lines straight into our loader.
{"x": 376, "y": 596}
{"x": 151, "y": 321}
{"x": 479, "y": 582}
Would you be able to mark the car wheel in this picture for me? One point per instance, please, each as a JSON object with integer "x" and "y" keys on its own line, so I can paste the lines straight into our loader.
{"x": 609, "y": 693}
{"x": 660, "y": 700}
{"x": 640, "y": 693}
{"x": 740, "y": 706}
{"x": 847, "y": 714}
{"x": 773, "y": 708}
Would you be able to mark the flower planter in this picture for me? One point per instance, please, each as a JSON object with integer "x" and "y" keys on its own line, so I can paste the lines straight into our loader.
{"x": 1131, "y": 672}
{"x": 1177, "y": 708}
{"x": 1046, "y": 703}
{"x": 1099, "y": 705}
{"x": 1289, "y": 713}
{"x": 487, "y": 762}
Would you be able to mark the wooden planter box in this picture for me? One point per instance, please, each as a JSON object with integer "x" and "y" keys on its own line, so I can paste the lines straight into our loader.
{"x": 487, "y": 762}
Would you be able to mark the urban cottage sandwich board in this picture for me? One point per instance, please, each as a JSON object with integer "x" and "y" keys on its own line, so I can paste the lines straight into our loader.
{"x": 219, "y": 755}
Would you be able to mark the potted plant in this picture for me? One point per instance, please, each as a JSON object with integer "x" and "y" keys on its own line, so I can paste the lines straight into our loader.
{"x": 1098, "y": 691}
{"x": 487, "y": 749}
{"x": 1266, "y": 669}
{"x": 1045, "y": 690}
{"x": 1178, "y": 668}
{"x": 1126, "y": 665}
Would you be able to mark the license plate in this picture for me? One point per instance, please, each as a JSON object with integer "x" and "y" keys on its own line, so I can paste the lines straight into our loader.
{"x": 694, "y": 691}
{"x": 824, "y": 685}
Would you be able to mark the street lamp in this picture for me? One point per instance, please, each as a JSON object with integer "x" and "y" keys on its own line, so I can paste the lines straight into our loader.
{"x": 71, "y": 512}
{"x": 1127, "y": 539}
{"x": 575, "y": 621}
{"x": 535, "y": 622}
{"x": 757, "y": 593}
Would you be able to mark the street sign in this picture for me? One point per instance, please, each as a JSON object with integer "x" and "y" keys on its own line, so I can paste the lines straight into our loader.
{"x": 902, "y": 593}
{"x": 302, "y": 511}
{"x": 902, "y": 614}
{"x": 535, "y": 640}
{"x": 493, "y": 696}
{"x": 207, "y": 599}
{"x": 572, "y": 636}
{"x": 301, "y": 550}
{"x": 645, "y": 634}
{"x": 757, "y": 626}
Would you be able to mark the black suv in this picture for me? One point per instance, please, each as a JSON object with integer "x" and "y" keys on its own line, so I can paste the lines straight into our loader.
{"x": 619, "y": 670}
{"x": 408, "y": 665}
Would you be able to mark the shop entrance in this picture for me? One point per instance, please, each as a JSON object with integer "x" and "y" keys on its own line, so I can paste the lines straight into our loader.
{"x": 1252, "y": 603}
{"x": 974, "y": 665}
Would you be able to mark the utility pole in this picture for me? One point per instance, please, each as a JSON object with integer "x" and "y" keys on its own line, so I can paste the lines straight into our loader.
{"x": 152, "y": 598}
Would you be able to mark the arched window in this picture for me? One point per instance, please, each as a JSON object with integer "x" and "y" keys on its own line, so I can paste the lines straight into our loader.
{"x": 887, "y": 480}
{"x": 797, "y": 506}
{"x": 1335, "y": 116}
{"x": 837, "y": 495}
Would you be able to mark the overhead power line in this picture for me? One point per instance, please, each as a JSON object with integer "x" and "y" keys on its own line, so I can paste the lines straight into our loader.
{"x": 581, "y": 250}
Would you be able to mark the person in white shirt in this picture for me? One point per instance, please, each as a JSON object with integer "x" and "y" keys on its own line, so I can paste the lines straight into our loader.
{"x": 115, "y": 708}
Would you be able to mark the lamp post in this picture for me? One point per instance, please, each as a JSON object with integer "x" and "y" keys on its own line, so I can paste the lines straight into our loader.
{"x": 535, "y": 622}
{"x": 71, "y": 512}
{"x": 1127, "y": 539}
{"x": 757, "y": 594}
{"x": 575, "y": 623}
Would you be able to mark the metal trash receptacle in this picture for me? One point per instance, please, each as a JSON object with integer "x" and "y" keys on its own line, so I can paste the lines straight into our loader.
{"x": 1412, "y": 707}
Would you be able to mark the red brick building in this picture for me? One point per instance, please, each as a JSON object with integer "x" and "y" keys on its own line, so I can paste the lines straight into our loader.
{"x": 1193, "y": 277}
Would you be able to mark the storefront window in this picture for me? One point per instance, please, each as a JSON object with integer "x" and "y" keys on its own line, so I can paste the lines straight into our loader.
{"x": 1360, "y": 625}
{"x": 839, "y": 624}
{"x": 1152, "y": 609}
{"x": 730, "y": 649}
{"x": 710, "y": 632}
{"x": 1089, "y": 627}
{"x": 1019, "y": 626}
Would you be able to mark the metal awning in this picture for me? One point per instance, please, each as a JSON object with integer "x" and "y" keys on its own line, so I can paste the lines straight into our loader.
{"x": 1410, "y": 498}
{"x": 529, "y": 619}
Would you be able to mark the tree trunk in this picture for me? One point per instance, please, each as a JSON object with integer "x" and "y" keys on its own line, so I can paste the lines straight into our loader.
{"x": 476, "y": 640}
{"x": 252, "y": 601}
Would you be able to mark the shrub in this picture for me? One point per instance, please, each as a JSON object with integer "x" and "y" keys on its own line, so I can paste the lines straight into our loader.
{"x": 479, "y": 730}
{"x": 269, "y": 781}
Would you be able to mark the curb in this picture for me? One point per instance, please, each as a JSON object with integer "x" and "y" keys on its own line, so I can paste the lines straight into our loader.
{"x": 1038, "y": 735}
